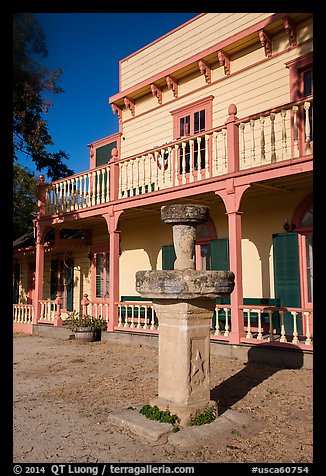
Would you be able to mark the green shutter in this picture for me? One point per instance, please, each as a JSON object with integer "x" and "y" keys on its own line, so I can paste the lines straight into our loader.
{"x": 287, "y": 275}
{"x": 168, "y": 256}
{"x": 103, "y": 154}
{"x": 220, "y": 254}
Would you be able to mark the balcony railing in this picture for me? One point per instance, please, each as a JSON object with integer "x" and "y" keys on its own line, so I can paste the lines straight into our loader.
{"x": 265, "y": 138}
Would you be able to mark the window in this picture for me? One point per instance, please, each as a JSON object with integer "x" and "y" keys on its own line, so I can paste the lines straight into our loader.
{"x": 102, "y": 275}
{"x": 301, "y": 83}
{"x": 62, "y": 280}
{"x": 189, "y": 121}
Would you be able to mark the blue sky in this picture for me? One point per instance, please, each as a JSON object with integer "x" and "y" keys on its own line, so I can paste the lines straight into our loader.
{"x": 88, "y": 47}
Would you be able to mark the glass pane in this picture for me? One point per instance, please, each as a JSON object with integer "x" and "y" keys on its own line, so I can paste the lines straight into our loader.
{"x": 307, "y": 83}
{"x": 196, "y": 122}
{"x": 202, "y": 120}
{"x": 309, "y": 252}
{"x": 99, "y": 275}
{"x": 307, "y": 219}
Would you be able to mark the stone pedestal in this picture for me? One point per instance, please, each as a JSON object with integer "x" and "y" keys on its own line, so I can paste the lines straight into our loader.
{"x": 184, "y": 302}
{"x": 184, "y": 356}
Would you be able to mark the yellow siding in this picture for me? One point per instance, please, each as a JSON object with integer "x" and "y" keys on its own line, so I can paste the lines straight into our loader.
{"x": 270, "y": 88}
{"x": 183, "y": 43}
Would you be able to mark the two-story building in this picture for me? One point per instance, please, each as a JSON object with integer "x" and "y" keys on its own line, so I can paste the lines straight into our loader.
{"x": 216, "y": 112}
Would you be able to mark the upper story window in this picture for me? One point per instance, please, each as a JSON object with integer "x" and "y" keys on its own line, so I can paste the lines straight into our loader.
{"x": 301, "y": 76}
{"x": 188, "y": 121}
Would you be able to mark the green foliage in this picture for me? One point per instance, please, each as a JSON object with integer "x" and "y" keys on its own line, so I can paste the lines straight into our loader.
{"x": 32, "y": 86}
{"x": 154, "y": 413}
{"x": 76, "y": 319}
{"x": 201, "y": 418}
{"x": 24, "y": 200}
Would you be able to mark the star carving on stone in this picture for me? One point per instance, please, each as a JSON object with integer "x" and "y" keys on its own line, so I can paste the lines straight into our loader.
{"x": 198, "y": 368}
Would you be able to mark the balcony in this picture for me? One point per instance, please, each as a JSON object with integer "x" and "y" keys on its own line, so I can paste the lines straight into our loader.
{"x": 264, "y": 139}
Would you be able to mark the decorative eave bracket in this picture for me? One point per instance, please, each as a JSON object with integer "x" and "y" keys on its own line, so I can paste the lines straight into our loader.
{"x": 224, "y": 61}
{"x": 172, "y": 84}
{"x": 266, "y": 42}
{"x": 291, "y": 30}
{"x": 157, "y": 92}
{"x": 116, "y": 110}
{"x": 205, "y": 70}
{"x": 129, "y": 103}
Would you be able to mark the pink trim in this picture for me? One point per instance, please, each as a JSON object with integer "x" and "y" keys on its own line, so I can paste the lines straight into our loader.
{"x": 205, "y": 70}
{"x": 172, "y": 84}
{"x": 157, "y": 92}
{"x": 130, "y": 104}
{"x": 19, "y": 327}
{"x": 223, "y": 79}
{"x": 266, "y": 43}
{"x": 301, "y": 210}
{"x": 224, "y": 61}
{"x": 100, "y": 143}
{"x": 205, "y": 103}
{"x": 290, "y": 28}
{"x": 212, "y": 49}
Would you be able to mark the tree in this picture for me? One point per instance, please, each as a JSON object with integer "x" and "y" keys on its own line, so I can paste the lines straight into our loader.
{"x": 32, "y": 86}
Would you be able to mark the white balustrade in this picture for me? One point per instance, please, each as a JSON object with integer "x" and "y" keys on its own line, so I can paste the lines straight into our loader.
{"x": 77, "y": 192}
{"x": 266, "y": 138}
{"x": 47, "y": 310}
{"x": 23, "y": 313}
{"x": 132, "y": 315}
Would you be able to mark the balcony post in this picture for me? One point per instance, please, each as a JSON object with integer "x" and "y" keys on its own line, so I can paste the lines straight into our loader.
{"x": 114, "y": 175}
{"x": 231, "y": 197}
{"x": 232, "y": 129}
{"x": 39, "y": 252}
{"x": 112, "y": 219}
{"x": 39, "y": 273}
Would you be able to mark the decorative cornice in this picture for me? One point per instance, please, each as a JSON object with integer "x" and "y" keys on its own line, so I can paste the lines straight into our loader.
{"x": 157, "y": 92}
{"x": 205, "y": 70}
{"x": 224, "y": 61}
{"x": 291, "y": 30}
{"x": 116, "y": 110}
{"x": 172, "y": 84}
{"x": 266, "y": 42}
{"x": 129, "y": 103}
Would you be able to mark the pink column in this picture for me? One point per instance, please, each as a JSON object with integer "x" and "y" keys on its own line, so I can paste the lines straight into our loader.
{"x": 231, "y": 196}
{"x": 39, "y": 272}
{"x": 114, "y": 297}
{"x": 232, "y": 139}
{"x": 39, "y": 258}
{"x": 112, "y": 218}
{"x": 235, "y": 253}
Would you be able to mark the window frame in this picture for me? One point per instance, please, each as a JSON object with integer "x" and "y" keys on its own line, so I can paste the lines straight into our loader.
{"x": 190, "y": 110}
{"x": 101, "y": 249}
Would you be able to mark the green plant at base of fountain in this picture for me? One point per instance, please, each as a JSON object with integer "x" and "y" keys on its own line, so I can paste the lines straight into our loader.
{"x": 203, "y": 418}
{"x": 164, "y": 416}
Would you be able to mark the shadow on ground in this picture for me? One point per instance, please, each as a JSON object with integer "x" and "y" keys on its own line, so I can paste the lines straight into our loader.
{"x": 235, "y": 388}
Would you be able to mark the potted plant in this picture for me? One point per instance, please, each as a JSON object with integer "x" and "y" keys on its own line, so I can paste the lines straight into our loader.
{"x": 85, "y": 327}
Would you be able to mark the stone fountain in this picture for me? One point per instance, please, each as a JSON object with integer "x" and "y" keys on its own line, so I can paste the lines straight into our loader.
{"x": 184, "y": 302}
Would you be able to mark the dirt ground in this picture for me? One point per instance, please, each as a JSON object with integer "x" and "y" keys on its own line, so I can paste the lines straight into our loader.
{"x": 64, "y": 391}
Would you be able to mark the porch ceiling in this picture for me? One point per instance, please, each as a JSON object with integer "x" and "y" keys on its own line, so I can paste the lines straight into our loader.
{"x": 280, "y": 186}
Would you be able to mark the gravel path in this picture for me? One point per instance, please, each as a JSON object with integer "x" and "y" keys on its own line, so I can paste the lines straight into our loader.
{"x": 64, "y": 391}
